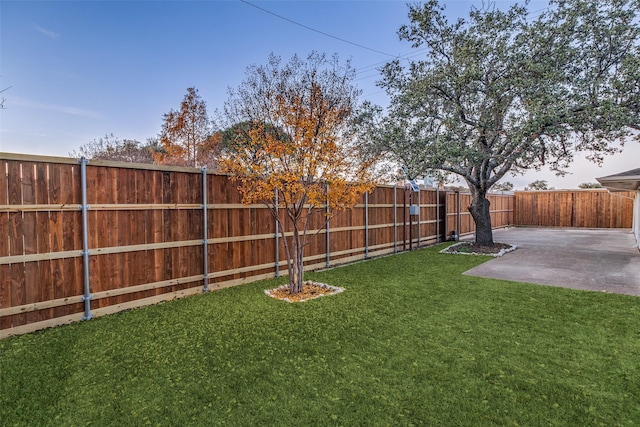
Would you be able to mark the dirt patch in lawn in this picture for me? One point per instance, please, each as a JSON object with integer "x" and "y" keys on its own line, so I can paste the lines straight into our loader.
{"x": 310, "y": 290}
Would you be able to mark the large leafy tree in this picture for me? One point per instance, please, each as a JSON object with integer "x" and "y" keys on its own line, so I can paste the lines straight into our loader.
{"x": 289, "y": 146}
{"x": 186, "y": 134}
{"x": 502, "y": 92}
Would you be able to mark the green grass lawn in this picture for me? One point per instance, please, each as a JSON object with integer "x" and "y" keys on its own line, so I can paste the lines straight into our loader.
{"x": 411, "y": 341}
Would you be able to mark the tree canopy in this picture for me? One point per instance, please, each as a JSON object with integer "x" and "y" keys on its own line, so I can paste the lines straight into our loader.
{"x": 501, "y": 92}
{"x": 538, "y": 185}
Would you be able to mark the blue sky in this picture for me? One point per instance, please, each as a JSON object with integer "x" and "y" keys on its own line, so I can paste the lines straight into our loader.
{"x": 81, "y": 69}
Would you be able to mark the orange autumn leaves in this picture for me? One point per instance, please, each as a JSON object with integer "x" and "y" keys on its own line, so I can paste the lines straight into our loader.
{"x": 302, "y": 151}
{"x": 186, "y": 138}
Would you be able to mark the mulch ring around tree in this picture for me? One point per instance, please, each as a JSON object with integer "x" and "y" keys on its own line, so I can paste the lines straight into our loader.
{"x": 310, "y": 290}
{"x": 471, "y": 248}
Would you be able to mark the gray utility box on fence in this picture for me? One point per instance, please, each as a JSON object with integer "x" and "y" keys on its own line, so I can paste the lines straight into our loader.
{"x": 414, "y": 210}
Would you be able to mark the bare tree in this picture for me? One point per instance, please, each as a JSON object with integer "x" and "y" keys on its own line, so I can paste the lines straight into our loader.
{"x": 110, "y": 147}
{"x": 2, "y": 99}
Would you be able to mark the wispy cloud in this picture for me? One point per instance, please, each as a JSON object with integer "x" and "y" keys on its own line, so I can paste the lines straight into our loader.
{"x": 45, "y": 32}
{"x": 74, "y": 111}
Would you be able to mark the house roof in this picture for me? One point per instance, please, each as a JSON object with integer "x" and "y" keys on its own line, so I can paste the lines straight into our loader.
{"x": 623, "y": 181}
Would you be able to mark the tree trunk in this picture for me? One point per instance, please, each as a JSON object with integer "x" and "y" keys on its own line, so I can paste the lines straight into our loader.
{"x": 480, "y": 212}
{"x": 296, "y": 273}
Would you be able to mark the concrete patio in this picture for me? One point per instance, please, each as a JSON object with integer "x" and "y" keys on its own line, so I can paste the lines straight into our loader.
{"x": 604, "y": 260}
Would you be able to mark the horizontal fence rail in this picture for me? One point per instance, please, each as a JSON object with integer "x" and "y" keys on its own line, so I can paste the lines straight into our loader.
{"x": 80, "y": 240}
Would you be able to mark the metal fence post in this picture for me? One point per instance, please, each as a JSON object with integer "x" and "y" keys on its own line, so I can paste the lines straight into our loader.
{"x": 410, "y": 219}
{"x": 205, "y": 240}
{"x": 437, "y": 215}
{"x": 459, "y": 220}
{"x": 85, "y": 241}
{"x": 277, "y": 235}
{"x": 419, "y": 215}
{"x": 366, "y": 225}
{"x": 328, "y": 241}
{"x": 404, "y": 218}
{"x": 445, "y": 219}
{"x": 395, "y": 219}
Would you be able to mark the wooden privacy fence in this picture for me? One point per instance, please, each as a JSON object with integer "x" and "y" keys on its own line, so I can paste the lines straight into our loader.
{"x": 596, "y": 208}
{"x": 459, "y": 218}
{"x": 83, "y": 239}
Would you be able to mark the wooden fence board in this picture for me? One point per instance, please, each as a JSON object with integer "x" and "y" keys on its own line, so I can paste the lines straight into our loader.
{"x": 49, "y": 230}
{"x": 67, "y": 273}
{"x": 5, "y": 294}
{"x": 573, "y": 208}
{"x": 42, "y": 270}
{"x": 30, "y": 239}
{"x": 15, "y": 243}
{"x": 4, "y": 216}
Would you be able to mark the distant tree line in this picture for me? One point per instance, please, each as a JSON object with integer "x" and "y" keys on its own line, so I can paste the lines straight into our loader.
{"x": 186, "y": 139}
{"x": 110, "y": 147}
